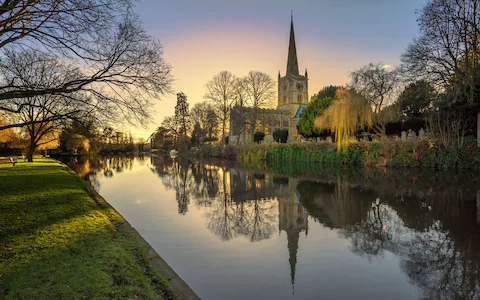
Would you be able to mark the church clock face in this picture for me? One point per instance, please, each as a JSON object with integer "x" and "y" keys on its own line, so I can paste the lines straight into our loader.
{"x": 299, "y": 86}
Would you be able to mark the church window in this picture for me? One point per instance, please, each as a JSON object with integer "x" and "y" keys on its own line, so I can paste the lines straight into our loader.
{"x": 285, "y": 124}
{"x": 284, "y": 98}
{"x": 299, "y": 98}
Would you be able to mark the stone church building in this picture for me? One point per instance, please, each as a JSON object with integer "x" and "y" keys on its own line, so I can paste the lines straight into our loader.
{"x": 292, "y": 99}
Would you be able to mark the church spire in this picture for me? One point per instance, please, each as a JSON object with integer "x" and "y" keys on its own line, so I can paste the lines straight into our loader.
{"x": 292, "y": 240}
{"x": 292, "y": 63}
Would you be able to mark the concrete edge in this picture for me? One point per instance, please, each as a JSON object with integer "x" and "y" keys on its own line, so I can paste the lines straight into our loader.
{"x": 177, "y": 284}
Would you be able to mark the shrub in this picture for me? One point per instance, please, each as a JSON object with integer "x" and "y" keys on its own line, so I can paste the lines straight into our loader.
{"x": 258, "y": 137}
{"x": 280, "y": 135}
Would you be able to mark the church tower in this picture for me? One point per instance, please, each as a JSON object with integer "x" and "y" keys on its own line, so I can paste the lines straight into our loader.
{"x": 293, "y": 87}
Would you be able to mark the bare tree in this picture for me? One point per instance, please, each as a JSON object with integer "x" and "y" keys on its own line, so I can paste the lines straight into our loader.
{"x": 376, "y": 84}
{"x": 260, "y": 89}
{"x": 241, "y": 92}
{"x": 221, "y": 91}
{"x": 204, "y": 115}
{"x": 446, "y": 54}
{"x": 42, "y": 115}
{"x": 114, "y": 62}
{"x": 172, "y": 126}
{"x": 57, "y": 24}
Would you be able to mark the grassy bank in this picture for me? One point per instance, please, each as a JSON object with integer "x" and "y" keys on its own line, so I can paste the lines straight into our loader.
{"x": 385, "y": 153}
{"x": 57, "y": 242}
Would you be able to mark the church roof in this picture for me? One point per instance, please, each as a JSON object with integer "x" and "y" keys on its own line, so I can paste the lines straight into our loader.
{"x": 292, "y": 63}
{"x": 299, "y": 111}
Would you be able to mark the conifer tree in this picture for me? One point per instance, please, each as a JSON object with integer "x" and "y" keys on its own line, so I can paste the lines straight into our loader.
{"x": 182, "y": 115}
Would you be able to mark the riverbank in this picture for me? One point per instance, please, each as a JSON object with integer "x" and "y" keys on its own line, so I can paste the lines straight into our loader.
{"x": 387, "y": 153}
{"x": 58, "y": 241}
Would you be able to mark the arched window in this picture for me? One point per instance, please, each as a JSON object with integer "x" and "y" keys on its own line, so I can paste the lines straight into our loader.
{"x": 284, "y": 99}
{"x": 299, "y": 98}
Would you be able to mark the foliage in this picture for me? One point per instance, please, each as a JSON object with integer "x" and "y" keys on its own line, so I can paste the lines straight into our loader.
{"x": 348, "y": 113}
{"x": 218, "y": 151}
{"x": 197, "y": 135}
{"x": 162, "y": 138}
{"x": 326, "y": 92}
{"x": 8, "y": 137}
{"x": 182, "y": 116}
{"x": 258, "y": 137}
{"x": 386, "y": 153}
{"x": 182, "y": 144}
{"x": 416, "y": 98}
{"x": 59, "y": 242}
{"x": 313, "y": 110}
{"x": 280, "y": 135}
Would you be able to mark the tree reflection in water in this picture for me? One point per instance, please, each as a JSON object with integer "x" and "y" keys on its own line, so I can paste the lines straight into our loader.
{"x": 427, "y": 219}
{"x": 433, "y": 231}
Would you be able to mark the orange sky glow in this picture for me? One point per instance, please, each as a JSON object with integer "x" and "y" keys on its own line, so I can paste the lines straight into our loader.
{"x": 198, "y": 52}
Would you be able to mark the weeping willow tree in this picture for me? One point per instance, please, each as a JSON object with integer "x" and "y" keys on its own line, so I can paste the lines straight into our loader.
{"x": 349, "y": 113}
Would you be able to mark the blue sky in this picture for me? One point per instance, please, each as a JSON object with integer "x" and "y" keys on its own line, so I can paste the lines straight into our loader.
{"x": 333, "y": 38}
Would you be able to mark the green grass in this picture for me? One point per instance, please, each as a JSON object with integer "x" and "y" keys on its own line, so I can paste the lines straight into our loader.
{"x": 57, "y": 242}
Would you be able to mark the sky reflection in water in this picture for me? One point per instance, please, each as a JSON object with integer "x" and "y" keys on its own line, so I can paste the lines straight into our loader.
{"x": 303, "y": 231}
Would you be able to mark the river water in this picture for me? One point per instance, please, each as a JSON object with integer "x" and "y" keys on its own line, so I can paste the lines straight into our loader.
{"x": 301, "y": 231}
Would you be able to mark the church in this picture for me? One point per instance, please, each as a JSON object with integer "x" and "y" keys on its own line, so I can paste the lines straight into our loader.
{"x": 292, "y": 88}
{"x": 292, "y": 99}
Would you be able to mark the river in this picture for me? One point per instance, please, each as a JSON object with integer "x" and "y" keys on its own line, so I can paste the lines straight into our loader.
{"x": 300, "y": 231}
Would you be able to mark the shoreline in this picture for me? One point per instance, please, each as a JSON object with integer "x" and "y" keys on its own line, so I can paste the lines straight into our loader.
{"x": 177, "y": 284}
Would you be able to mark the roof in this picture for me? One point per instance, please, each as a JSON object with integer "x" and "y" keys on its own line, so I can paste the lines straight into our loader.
{"x": 299, "y": 111}
{"x": 292, "y": 62}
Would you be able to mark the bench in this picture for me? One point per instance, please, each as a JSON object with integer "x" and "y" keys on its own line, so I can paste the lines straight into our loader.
{"x": 11, "y": 159}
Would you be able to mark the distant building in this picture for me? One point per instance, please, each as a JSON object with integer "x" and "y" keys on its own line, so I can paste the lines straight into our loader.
{"x": 292, "y": 100}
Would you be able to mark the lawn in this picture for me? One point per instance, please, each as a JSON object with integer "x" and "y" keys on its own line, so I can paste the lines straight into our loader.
{"x": 57, "y": 242}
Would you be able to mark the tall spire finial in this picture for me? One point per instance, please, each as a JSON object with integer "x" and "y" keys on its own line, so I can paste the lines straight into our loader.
{"x": 292, "y": 63}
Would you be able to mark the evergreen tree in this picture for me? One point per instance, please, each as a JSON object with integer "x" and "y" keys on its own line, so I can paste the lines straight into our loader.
{"x": 182, "y": 115}
{"x": 314, "y": 109}
{"x": 328, "y": 91}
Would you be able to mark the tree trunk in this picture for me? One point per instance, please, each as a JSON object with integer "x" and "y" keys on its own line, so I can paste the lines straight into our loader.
{"x": 30, "y": 154}
{"x": 31, "y": 149}
{"x": 223, "y": 131}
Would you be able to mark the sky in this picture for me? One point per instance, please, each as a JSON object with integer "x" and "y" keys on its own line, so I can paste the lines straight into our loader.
{"x": 333, "y": 38}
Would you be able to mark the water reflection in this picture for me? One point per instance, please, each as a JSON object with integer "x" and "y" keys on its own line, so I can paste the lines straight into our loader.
{"x": 429, "y": 220}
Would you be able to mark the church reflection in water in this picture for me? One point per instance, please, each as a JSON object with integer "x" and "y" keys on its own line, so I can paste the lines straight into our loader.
{"x": 429, "y": 220}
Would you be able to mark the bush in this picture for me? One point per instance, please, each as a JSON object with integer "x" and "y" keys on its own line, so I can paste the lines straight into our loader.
{"x": 182, "y": 144}
{"x": 258, "y": 137}
{"x": 280, "y": 135}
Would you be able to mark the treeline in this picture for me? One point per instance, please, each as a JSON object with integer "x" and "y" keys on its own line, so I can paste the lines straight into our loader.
{"x": 75, "y": 138}
{"x": 436, "y": 86}
{"x": 209, "y": 121}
